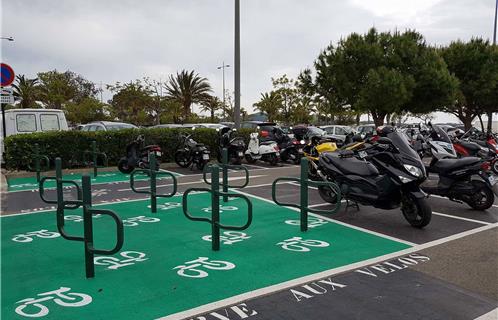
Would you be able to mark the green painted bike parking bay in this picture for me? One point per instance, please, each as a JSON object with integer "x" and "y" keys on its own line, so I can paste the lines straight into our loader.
{"x": 29, "y": 183}
{"x": 166, "y": 264}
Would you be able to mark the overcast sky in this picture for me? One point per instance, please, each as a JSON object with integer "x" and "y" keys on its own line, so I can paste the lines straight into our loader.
{"x": 111, "y": 40}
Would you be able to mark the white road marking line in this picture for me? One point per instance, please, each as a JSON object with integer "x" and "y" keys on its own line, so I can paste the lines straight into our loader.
{"x": 460, "y": 218}
{"x": 193, "y": 182}
{"x": 440, "y": 197}
{"x": 335, "y": 221}
{"x": 492, "y": 315}
{"x": 313, "y": 277}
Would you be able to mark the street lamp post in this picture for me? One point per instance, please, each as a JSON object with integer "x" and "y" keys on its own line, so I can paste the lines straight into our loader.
{"x": 236, "y": 110}
{"x": 4, "y": 130}
{"x": 222, "y": 67}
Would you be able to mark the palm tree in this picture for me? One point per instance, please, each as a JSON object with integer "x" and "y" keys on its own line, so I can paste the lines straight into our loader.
{"x": 211, "y": 105}
{"x": 270, "y": 103}
{"x": 27, "y": 91}
{"x": 188, "y": 88}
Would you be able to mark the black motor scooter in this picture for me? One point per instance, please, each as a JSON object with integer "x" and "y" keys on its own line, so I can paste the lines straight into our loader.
{"x": 290, "y": 148}
{"x": 385, "y": 175}
{"x": 191, "y": 153}
{"x": 456, "y": 177}
{"x": 235, "y": 145}
{"x": 137, "y": 156}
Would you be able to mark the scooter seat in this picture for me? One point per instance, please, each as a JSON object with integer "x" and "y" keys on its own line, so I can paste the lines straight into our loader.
{"x": 445, "y": 165}
{"x": 350, "y": 165}
{"x": 472, "y": 146}
{"x": 265, "y": 143}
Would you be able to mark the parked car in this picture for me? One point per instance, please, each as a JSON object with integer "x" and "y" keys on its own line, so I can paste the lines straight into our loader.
{"x": 107, "y": 126}
{"x": 210, "y": 125}
{"x": 366, "y": 130}
{"x": 338, "y": 132}
{"x": 167, "y": 125}
{"x": 265, "y": 128}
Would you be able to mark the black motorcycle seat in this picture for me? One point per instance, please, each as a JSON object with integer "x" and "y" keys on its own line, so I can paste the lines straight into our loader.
{"x": 350, "y": 165}
{"x": 445, "y": 165}
{"x": 470, "y": 145}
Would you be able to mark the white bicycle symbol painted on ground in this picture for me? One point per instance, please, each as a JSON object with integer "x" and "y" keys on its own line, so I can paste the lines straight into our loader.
{"x": 229, "y": 237}
{"x": 222, "y": 208}
{"x": 113, "y": 263}
{"x": 193, "y": 269}
{"x": 134, "y": 221}
{"x": 70, "y": 299}
{"x": 312, "y": 222}
{"x": 75, "y": 218}
{"x": 301, "y": 245}
{"x": 28, "y": 236}
{"x": 167, "y": 205}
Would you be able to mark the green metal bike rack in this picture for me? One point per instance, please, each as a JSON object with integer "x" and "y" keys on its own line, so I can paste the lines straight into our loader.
{"x": 304, "y": 183}
{"x": 84, "y": 201}
{"x": 223, "y": 167}
{"x": 95, "y": 154}
{"x": 215, "y": 206}
{"x": 37, "y": 157}
{"x": 152, "y": 173}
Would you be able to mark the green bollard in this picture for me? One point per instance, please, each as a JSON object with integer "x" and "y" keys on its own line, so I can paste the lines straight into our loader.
{"x": 215, "y": 208}
{"x": 153, "y": 185}
{"x": 37, "y": 157}
{"x": 224, "y": 156}
{"x": 94, "y": 153}
{"x": 304, "y": 194}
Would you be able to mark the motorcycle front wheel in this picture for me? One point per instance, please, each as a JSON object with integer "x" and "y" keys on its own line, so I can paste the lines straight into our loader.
{"x": 416, "y": 211}
{"x": 182, "y": 159}
{"x": 482, "y": 197}
{"x": 123, "y": 166}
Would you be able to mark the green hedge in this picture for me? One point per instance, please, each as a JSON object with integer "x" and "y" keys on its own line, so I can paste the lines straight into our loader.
{"x": 70, "y": 145}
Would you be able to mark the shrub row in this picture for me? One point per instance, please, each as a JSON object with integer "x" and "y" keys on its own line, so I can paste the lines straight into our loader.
{"x": 70, "y": 145}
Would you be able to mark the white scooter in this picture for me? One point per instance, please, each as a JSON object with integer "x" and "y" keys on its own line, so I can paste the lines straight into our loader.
{"x": 266, "y": 151}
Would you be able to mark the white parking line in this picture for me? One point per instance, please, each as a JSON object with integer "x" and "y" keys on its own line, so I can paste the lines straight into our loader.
{"x": 440, "y": 197}
{"x": 459, "y": 218}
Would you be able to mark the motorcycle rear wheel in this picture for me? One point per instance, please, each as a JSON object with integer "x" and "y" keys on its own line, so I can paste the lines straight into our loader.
{"x": 416, "y": 211}
{"x": 182, "y": 159}
{"x": 123, "y": 166}
{"x": 494, "y": 166}
{"x": 327, "y": 194}
{"x": 250, "y": 159}
{"x": 482, "y": 198}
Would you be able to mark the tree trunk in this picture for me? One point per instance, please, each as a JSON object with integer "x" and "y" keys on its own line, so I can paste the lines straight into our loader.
{"x": 378, "y": 118}
{"x": 358, "y": 119}
{"x": 212, "y": 115}
{"x": 467, "y": 122}
{"x": 490, "y": 121}
{"x": 480, "y": 120}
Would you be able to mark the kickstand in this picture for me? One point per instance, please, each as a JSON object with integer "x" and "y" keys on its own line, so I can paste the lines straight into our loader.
{"x": 352, "y": 204}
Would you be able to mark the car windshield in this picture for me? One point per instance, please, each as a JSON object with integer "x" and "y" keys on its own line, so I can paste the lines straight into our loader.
{"x": 119, "y": 126}
{"x": 314, "y": 131}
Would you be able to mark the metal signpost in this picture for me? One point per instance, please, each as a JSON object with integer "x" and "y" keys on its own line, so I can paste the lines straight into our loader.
{"x": 7, "y": 77}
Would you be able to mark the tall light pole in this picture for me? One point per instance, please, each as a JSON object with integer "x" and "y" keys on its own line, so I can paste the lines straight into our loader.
{"x": 496, "y": 13}
{"x": 236, "y": 111}
{"x": 222, "y": 67}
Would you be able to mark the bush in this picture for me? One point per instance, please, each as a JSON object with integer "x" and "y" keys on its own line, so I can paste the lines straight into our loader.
{"x": 70, "y": 145}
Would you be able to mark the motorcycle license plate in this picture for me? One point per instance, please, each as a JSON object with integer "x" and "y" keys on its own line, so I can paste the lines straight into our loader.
{"x": 241, "y": 153}
{"x": 158, "y": 154}
{"x": 205, "y": 156}
{"x": 362, "y": 154}
{"x": 492, "y": 180}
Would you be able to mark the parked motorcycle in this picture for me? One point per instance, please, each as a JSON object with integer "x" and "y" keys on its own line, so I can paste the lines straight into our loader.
{"x": 191, "y": 153}
{"x": 290, "y": 148}
{"x": 456, "y": 177}
{"x": 385, "y": 175}
{"x": 235, "y": 145}
{"x": 137, "y": 156}
{"x": 265, "y": 150}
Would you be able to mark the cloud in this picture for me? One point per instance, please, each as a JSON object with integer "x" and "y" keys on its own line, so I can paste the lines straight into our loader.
{"x": 124, "y": 40}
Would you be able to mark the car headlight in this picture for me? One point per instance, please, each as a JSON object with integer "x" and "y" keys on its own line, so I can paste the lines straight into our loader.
{"x": 414, "y": 171}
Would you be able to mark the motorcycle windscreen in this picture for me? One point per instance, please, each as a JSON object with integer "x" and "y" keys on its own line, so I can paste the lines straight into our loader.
{"x": 400, "y": 141}
{"x": 438, "y": 134}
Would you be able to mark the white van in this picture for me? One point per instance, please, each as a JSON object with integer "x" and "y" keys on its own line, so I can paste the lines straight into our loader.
{"x": 19, "y": 121}
{"x": 33, "y": 120}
